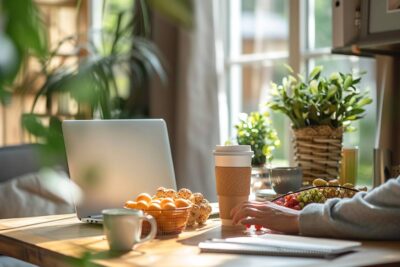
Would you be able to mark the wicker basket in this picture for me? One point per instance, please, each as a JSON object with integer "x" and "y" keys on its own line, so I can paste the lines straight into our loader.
{"x": 169, "y": 222}
{"x": 317, "y": 150}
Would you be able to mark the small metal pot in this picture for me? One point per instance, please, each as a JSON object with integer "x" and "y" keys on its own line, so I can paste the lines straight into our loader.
{"x": 286, "y": 179}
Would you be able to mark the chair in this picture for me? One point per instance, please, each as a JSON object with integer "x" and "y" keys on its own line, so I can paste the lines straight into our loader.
{"x": 14, "y": 162}
{"x": 19, "y": 160}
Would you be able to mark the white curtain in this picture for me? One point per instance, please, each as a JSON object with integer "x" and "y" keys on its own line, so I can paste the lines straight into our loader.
{"x": 197, "y": 113}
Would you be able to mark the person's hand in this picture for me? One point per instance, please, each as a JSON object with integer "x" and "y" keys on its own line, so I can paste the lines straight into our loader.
{"x": 268, "y": 215}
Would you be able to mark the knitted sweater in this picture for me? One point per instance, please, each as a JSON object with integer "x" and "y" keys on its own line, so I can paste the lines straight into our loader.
{"x": 372, "y": 215}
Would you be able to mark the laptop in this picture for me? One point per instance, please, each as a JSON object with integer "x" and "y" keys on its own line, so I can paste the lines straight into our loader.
{"x": 112, "y": 161}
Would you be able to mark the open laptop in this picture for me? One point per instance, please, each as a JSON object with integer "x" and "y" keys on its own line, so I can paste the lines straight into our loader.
{"x": 114, "y": 160}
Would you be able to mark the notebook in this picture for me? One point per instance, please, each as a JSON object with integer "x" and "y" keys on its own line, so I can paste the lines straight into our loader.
{"x": 280, "y": 245}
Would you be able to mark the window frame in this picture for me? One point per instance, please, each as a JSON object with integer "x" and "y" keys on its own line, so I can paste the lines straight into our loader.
{"x": 298, "y": 55}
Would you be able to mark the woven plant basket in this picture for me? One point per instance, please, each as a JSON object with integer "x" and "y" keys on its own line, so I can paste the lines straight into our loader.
{"x": 318, "y": 151}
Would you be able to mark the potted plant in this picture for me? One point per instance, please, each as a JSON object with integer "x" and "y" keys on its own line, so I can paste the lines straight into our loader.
{"x": 91, "y": 82}
{"x": 320, "y": 109}
{"x": 256, "y": 130}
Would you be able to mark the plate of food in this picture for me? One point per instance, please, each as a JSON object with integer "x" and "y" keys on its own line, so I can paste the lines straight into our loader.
{"x": 319, "y": 192}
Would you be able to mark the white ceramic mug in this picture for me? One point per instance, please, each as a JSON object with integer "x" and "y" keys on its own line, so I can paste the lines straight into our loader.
{"x": 123, "y": 228}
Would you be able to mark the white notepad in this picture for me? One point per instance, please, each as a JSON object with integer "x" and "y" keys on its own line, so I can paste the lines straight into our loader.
{"x": 280, "y": 245}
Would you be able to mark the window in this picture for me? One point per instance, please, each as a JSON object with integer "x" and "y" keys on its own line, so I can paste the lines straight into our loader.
{"x": 257, "y": 43}
{"x": 104, "y": 21}
{"x": 257, "y": 49}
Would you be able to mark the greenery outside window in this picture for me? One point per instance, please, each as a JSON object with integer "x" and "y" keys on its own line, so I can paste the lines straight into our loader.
{"x": 258, "y": 44}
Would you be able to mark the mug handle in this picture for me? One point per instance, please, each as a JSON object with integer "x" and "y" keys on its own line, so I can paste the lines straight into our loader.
{"x": 153, "y": 228}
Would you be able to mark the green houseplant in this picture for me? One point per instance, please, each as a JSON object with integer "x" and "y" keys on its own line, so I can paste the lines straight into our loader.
{"x": 256, "y": 130}
{"x": 320, "y": 109}
{"x": 91, "y": 82}
{"x": 21, "y": 33}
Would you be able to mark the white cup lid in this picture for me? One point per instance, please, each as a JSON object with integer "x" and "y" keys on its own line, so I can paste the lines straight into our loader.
{"x": 233, "y": 150}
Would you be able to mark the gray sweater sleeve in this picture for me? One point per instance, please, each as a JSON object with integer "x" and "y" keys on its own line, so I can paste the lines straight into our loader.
{"x": 372, "y": 215}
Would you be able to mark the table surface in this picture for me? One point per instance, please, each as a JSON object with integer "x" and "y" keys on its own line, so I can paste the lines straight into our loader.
{"x": 62, "y": 240}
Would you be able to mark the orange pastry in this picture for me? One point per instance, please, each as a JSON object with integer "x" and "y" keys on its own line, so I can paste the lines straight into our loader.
{"x": 184, "y": 193}
{"x": 131, "y": 204}
{"x": 143, "y": 196}
{"x": 142, "y": 205}
{"x": 181, "y": 203}
{"x": 154, "y": 209}
{"x": 166, "y": 200}
{"x": 161, "y": 192}
{"x": 154, "y": 206}
{"x": 168, "y": 206}
{"x": 197, "y": 198}
{"x": 170, "y": 193}
{"x": 158, "y": 201}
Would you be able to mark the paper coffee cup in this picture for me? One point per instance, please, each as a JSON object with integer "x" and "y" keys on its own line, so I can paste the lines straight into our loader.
{"x": 232, "y": 176}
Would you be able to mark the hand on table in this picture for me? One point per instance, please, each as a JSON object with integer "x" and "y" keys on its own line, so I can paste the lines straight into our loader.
{"x": 267, "y": 214}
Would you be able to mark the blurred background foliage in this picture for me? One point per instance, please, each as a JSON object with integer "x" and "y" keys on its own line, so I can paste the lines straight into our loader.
{"x": 111, "y": 77}
{"x": 21, "y": 32}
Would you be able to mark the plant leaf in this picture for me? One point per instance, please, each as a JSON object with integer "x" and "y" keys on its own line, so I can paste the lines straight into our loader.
{"x": 34, "y": 126}
{"x": 288, "y": 68}
{"x": 314, "y": 74}
{"x": 363, "y": 102}
{"x": 332, "y": 90}
{"x": 347, "y": 82}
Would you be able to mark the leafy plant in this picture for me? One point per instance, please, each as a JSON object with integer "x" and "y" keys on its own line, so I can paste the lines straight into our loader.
{"x": 335, "y": 101}
{"x": 21, "y": 32}
{"x": 256, "y": 130}
{"x": 91, "y": 82}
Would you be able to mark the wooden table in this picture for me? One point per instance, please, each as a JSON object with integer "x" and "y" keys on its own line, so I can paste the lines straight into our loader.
{"x": 62, "y": 240}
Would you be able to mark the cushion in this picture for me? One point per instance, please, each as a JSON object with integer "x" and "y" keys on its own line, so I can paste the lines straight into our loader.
{"x": 46, "y": 192}
{"x": 18, "y": 160}
{"x": 11, "y": 262}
